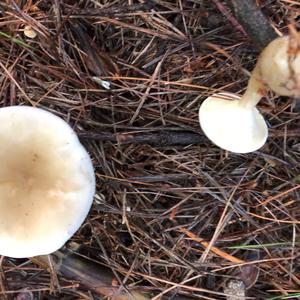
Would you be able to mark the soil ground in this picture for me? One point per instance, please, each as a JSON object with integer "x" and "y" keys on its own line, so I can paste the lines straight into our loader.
{"x": 172, "y": 219}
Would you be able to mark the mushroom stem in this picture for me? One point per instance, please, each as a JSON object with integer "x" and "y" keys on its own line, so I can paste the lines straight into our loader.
{"x": 277, "y": 69}
{"x": 235, "y": 124}
{"x": 255, "y": 89}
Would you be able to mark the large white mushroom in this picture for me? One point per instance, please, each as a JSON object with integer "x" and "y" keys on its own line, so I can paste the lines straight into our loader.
{"x": 234, "y": 123}
{"x": 47, "y": 182}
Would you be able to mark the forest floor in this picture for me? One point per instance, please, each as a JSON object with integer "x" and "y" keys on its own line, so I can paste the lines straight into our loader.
{"x": 174, "y": 216}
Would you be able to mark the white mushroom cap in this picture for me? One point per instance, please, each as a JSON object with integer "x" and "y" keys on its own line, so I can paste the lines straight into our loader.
{"x": 47, "y": 182}
{"x": 279, "y": 65}
{"x": 232, "y": 126}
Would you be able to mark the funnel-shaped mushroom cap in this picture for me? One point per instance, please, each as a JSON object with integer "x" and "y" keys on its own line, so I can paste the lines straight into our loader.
{"x": 232, "y": 126}
{"x": 47, "y": 182}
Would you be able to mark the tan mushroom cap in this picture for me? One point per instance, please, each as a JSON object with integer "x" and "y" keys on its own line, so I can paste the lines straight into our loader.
{"x": 231, "y": 126}
{"x": 47, "y": 182}
{"x": 280, "y": 66}
{"x": 29, "y": 32}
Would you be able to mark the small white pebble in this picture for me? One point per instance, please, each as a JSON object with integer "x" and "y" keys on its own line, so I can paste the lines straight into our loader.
{"x": 103, "y": 83}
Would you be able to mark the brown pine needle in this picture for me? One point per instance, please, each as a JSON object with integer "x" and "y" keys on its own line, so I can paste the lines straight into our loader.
{"x": 215, "y": 250}
{"x": 269, "y": 199}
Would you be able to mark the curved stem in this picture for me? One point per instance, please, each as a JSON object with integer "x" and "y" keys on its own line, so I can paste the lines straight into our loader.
{"x": 255, "y": 89}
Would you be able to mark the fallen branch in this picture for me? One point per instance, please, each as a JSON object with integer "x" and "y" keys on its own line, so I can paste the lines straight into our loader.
{"x": 156, "y": 138}
{"x": 167, "y": 137}
{"x": 90, "y": 275}
{"x": 253, "y": 21}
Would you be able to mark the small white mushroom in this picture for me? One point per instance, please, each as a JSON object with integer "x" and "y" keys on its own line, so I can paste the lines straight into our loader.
{"x": 232, "y": 122}
{"x": 29, "y": 32}
{"x": 47, "y": 182}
